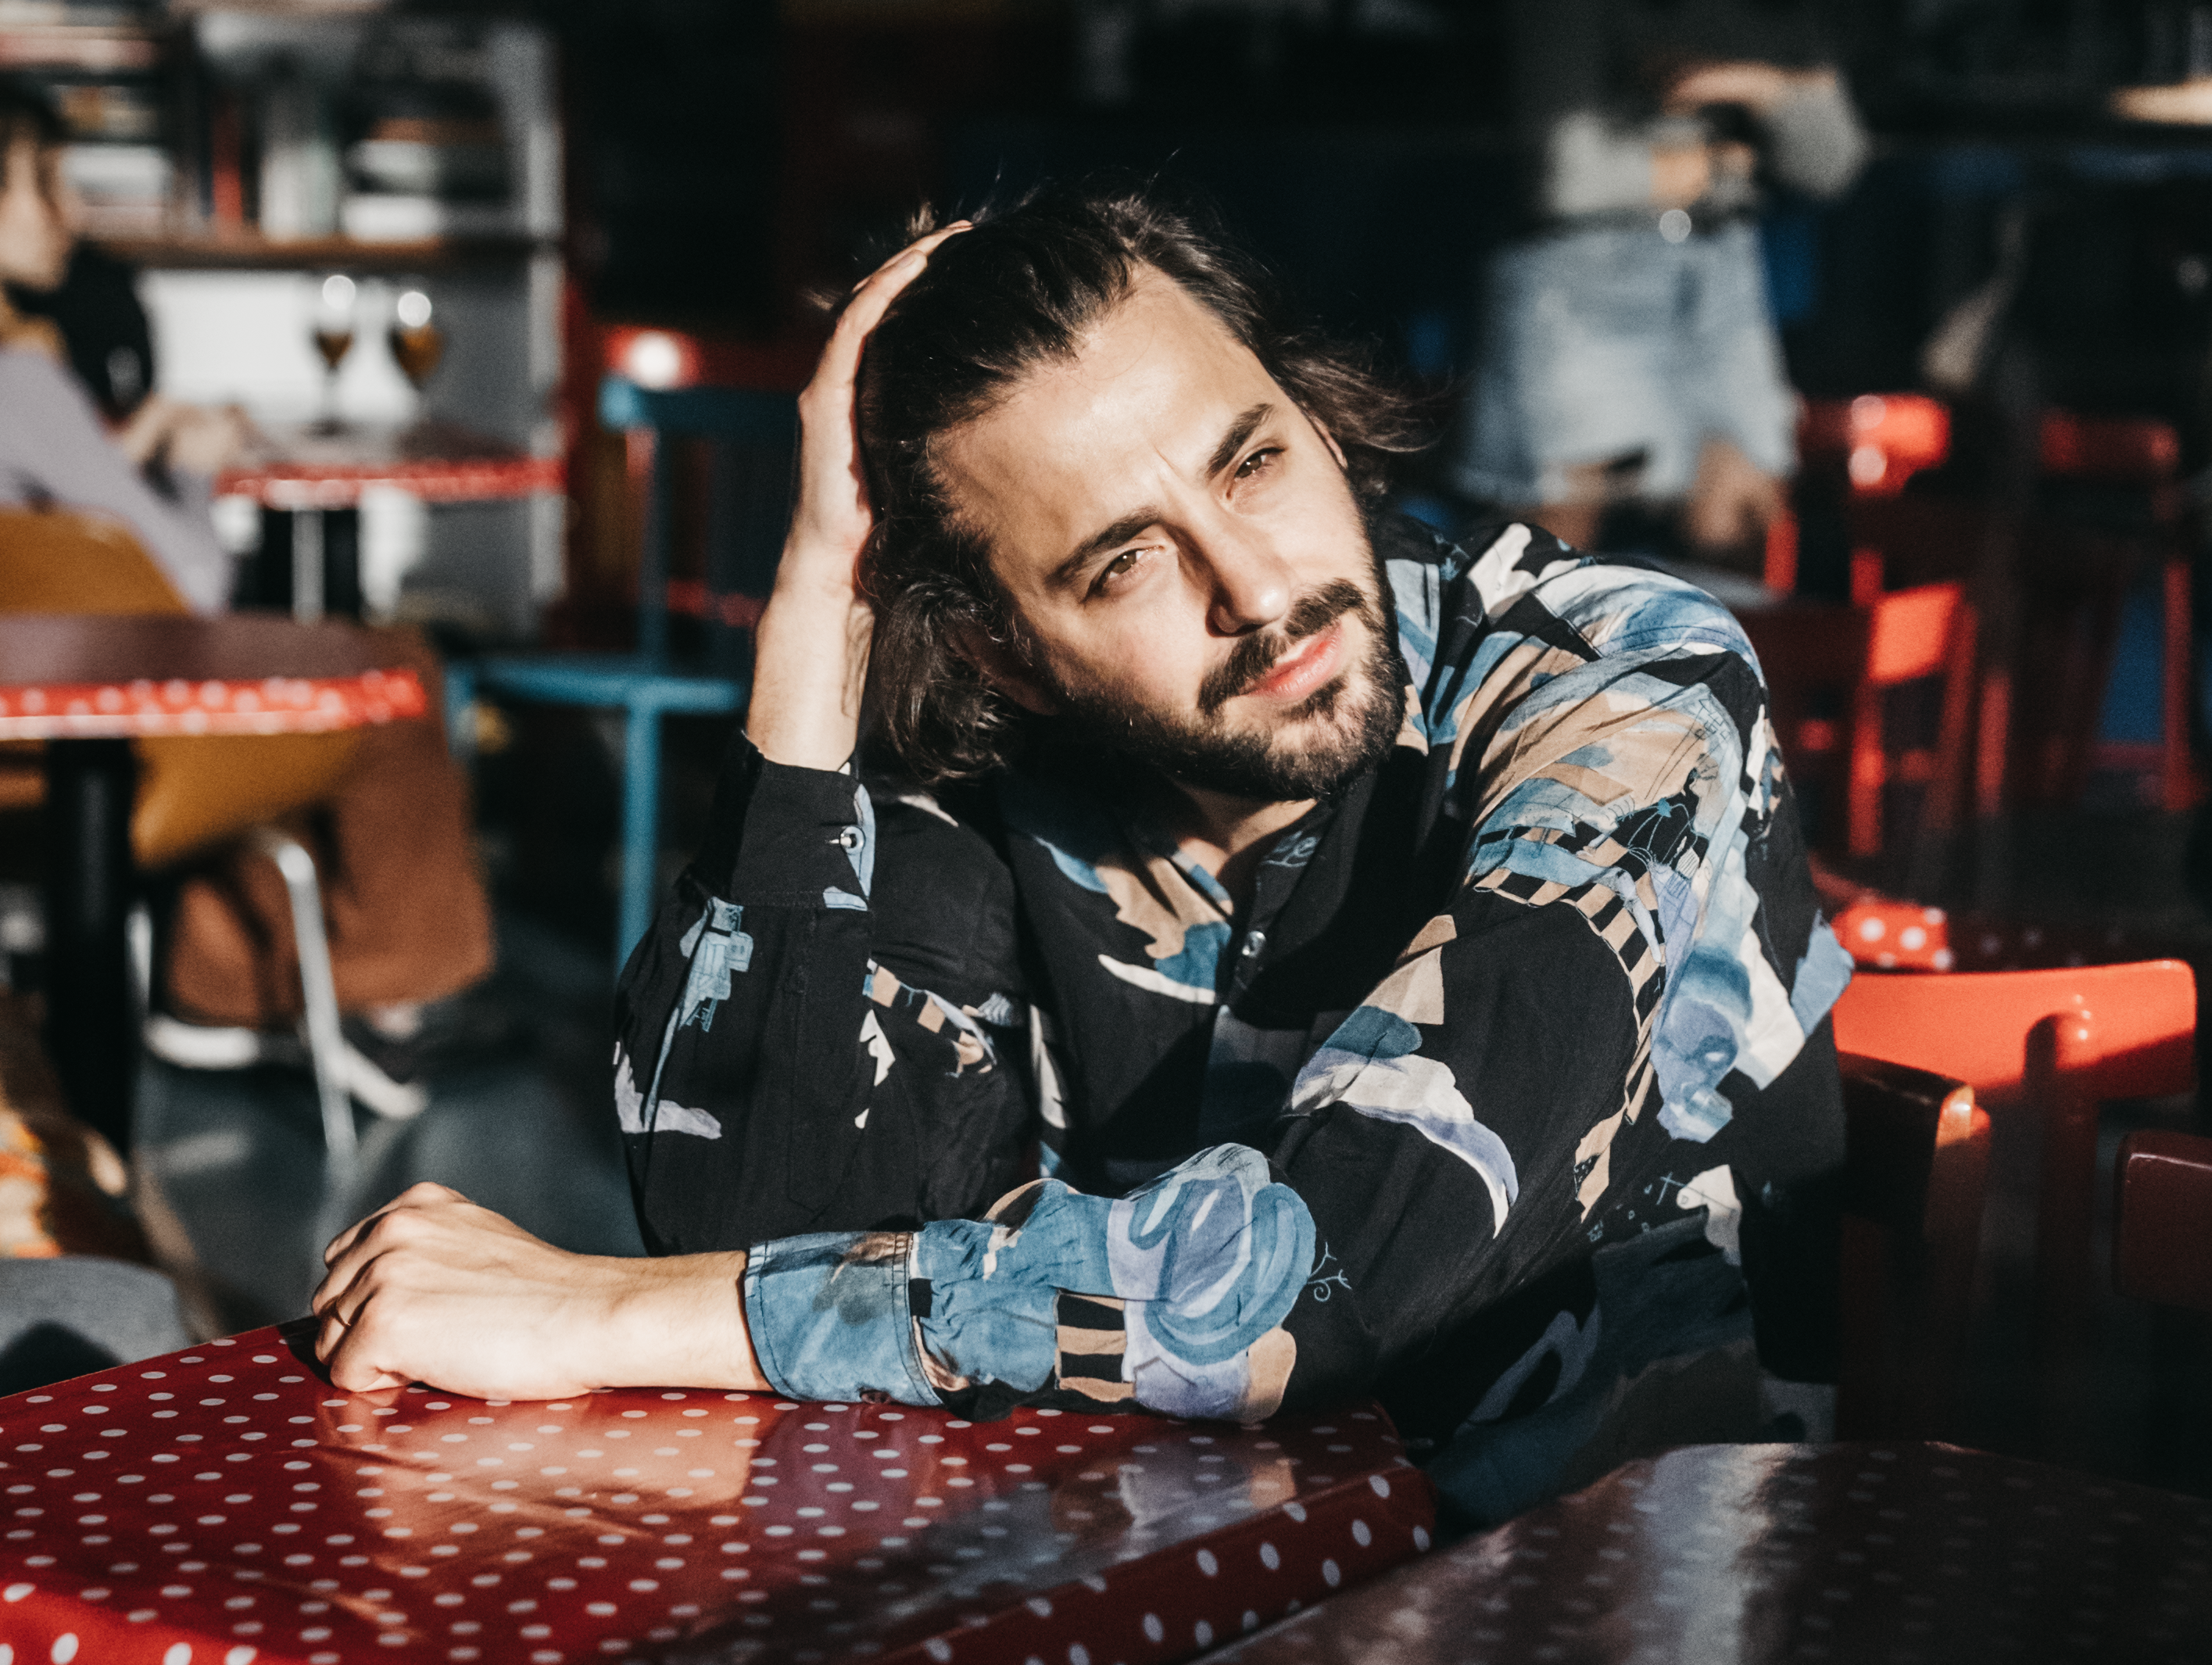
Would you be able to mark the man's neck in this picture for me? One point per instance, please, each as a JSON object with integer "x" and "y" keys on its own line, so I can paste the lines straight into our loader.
{"x": 1227, "y": 836}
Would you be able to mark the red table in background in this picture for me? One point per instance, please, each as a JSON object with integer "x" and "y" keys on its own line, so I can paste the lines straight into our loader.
{"x": 225, "y": 1505}
{"x": 88, "y": 684}
{"x": 436, "y": 462}
{"x": 308, "y": 472}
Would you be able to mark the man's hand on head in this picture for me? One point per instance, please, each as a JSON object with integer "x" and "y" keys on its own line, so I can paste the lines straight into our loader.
{"x": 434, "y": 1289}
{"x": 805, "y": 707}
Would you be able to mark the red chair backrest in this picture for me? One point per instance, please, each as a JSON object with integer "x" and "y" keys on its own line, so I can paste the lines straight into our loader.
{"x": 1911, "y": 633}
{"x": 2140, "y": 1021}
{"x": 1884, "y": 438}
{"x": 2116, "y": 449}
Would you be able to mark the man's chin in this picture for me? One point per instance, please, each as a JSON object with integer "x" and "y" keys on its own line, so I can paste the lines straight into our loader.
{"x": 1290, "y": 760}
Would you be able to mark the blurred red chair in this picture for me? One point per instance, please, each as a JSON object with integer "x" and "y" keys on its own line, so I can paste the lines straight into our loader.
{"x": 1851, "y": 658}
{"x": 2141, "y": 458}
{"x": 2052, "y": 1045}
{"x": 2162, "y": 1219}
{"x": 1916, "y": 1165}
{"x": 1876, "y": 442}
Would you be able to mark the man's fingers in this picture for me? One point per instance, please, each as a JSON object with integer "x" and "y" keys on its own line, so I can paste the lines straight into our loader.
{"x": 840, "y": 359}
{"x": 922, "y": 246}
{"x": 346, "y": 1239}
{"x": 423, "y": 1193}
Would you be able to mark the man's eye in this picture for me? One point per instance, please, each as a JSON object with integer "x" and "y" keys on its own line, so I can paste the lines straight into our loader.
{"x": 1258, "y": 463}
{"x": 1119, "y": 567}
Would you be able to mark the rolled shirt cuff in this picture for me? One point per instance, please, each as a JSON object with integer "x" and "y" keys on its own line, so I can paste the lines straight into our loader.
{"x": 829, "y": 1316}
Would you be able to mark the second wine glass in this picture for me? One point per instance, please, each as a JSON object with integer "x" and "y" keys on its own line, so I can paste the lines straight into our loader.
{"x": 418, "y": 343}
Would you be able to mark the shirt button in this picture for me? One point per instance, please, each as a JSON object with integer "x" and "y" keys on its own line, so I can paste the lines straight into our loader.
{"x": 849, "y": 839}
{"x": 1254, "y": 941}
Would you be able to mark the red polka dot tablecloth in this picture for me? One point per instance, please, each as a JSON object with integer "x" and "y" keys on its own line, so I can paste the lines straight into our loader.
{"x": 1856, "y": 1554}
{"x": 1884, "y": 934}
{"x": 225, "y": 1506}
{"x": 264, "y": 705}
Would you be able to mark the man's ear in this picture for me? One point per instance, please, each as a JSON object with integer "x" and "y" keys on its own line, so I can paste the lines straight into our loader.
{"x": 998, "y": 666}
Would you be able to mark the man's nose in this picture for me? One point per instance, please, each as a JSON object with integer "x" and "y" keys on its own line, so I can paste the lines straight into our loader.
{"x": 1252, "y": 584}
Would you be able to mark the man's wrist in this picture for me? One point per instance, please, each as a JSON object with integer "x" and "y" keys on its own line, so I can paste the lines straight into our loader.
{"x": 678, "y": 1322}
{"x": 813, "y": 656}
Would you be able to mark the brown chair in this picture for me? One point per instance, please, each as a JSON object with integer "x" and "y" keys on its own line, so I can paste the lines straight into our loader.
{"x": 201, "y": 791}
{"x": 2140, "y": 458}
{"x": 1917, "y": 1161}
{"x": 1853, "y": 657}
{"x": 2052, "y": 1045}
{"x": 2162, "y": 1219}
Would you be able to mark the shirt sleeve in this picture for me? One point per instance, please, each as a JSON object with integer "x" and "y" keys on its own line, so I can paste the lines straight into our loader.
{"x": 53, "y": 448}
{"x": 824, "y": 1028}
{"x": 1814, "y": 142}
{"x": 1589, "y": 1043}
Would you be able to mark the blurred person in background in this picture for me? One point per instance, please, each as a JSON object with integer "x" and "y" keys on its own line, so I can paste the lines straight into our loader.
{"x": 154, "y": 469}
{"x": 408, "y": 920}
{"x": 1629, "y": 355}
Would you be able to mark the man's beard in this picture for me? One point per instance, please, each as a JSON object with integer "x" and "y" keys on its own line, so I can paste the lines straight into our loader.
{"x": 1250, "y": 763}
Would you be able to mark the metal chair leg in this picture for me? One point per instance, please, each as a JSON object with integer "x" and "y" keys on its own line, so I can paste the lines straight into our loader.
{"x": 325, "y": 1045}
{"x": 460, "y": 678}
{"x": 640, "y": 825}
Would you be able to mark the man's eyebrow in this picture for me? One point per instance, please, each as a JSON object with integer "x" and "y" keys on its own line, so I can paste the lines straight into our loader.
{"x": 1246, "y": 425}
{"x": 1120, "y": 532}
{"x": 1239, "y": 431}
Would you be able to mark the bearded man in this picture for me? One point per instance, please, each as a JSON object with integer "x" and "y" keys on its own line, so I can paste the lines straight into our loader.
{"x": 1401, "y": 966}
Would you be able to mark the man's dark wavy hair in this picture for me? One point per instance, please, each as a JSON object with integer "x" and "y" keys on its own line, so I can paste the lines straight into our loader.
{"x": 1020, "y": 291}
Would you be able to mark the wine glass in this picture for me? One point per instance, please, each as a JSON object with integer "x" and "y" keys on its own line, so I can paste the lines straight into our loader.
{"x": 333, "y": 331}
{"x": 416, "y": 343}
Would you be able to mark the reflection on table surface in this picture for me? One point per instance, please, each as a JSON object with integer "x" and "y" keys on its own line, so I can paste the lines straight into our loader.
{"x": 1744, "y": 1554}
{"x": 228, "y": 1494}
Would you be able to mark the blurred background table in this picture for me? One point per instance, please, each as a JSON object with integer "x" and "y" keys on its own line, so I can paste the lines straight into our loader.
{"x": 306, "y": 473}
{"x": 88, "y": 686}
{"x": 1757, "y": 1552}
{"x": 226, "y": 1499}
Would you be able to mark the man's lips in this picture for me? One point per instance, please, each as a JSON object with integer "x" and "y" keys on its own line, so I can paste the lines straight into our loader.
{"x": 1307, "y": 667}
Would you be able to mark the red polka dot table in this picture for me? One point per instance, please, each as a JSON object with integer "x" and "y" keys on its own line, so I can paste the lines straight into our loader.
{"x": 1857, "y": 1554}
{"x": 437, "y": 462}
{"x": 87, "y": 685}
{"x": 225, "y": 1505}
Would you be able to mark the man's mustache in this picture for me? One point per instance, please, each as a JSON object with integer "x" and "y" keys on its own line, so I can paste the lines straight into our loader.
{"x": 1255, "y": 656}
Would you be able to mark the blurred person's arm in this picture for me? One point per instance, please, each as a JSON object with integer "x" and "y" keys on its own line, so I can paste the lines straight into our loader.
{"x": 1814, "y": 140}
{"x": 1593, "y": 165}
{"x": 189, "y": 439}
{"x": 53, "y": 448}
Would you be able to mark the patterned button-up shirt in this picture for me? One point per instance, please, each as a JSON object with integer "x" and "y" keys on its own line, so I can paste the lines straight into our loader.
{"x": 1548, "y": 978}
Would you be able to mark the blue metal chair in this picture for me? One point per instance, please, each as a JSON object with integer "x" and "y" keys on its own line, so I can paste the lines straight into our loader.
{"x": 753, "y": 436}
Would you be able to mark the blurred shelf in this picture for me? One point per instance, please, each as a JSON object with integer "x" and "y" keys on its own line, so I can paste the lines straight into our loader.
{"x": 92, "y": 48}
{"x": 314, "y": 9}
{"x": 245, "y": 250}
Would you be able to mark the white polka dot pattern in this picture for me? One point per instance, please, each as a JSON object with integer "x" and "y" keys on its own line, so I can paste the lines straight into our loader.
{"x": 226, "y": 1504}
